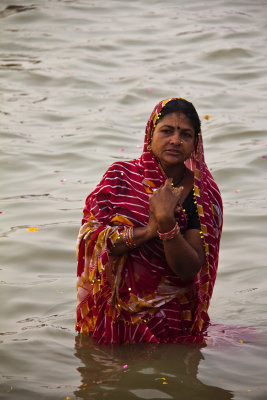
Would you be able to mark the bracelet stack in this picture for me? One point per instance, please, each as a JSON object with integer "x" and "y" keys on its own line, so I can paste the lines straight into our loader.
{"x": 171, "y": 234}
{"x": 128, "y": 237}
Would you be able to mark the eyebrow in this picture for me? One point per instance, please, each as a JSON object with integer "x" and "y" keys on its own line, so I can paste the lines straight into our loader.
{"x": 171, "y": 127}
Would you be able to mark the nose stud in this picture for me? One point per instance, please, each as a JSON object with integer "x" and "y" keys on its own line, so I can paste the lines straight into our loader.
{"x": 180, "y": 141}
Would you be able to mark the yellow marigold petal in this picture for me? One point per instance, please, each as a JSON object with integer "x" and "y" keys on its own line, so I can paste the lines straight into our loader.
{"x": 32, "y": 229}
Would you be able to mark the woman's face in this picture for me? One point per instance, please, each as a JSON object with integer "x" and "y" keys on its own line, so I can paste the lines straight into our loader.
{"x": 173, "y": 140}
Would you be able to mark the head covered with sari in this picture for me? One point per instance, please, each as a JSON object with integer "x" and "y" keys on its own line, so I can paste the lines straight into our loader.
{"x": 136, "y": 297}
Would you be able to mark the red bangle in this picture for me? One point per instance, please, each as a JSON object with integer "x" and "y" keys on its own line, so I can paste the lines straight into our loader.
{"x": 171, "y": 234}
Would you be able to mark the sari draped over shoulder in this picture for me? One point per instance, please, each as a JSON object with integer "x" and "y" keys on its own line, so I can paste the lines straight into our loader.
{"x": 136, "y": 297}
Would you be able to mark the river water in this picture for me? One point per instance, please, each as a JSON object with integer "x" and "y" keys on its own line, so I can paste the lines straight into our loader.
{"x": 78, "y": 82}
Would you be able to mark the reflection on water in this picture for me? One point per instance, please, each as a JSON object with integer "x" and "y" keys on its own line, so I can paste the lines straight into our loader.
{"x": 142, "y": 371}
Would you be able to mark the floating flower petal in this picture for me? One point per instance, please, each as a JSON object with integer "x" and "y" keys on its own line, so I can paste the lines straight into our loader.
{"x": 32, "y": 229}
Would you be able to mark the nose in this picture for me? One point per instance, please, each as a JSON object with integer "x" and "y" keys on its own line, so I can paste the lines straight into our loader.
{"x": 176, "y": 139}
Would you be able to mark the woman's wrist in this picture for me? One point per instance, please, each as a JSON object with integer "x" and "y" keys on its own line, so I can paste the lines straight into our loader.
{"x": 171, "y": 234}
{"x": 166, "y": 224}
{"x": 150, "y": 232}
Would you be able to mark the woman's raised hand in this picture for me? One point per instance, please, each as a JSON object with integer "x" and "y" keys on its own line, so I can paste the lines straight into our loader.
{"x": 164, "y": 201}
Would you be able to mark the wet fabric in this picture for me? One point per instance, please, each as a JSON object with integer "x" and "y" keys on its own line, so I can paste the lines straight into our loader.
{"x": 136, "y": 297}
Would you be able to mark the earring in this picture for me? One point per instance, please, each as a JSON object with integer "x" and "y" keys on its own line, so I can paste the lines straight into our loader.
{"x": 149, "y": 147}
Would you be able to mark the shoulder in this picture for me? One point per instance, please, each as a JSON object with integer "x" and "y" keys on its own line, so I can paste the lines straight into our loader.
{"x": 120, "y": 166}
{"x": 119, "y": 174}
{"x": 124, "y": 170}
{"x": 214, "y": 193}
{"x": 215, "y": 204}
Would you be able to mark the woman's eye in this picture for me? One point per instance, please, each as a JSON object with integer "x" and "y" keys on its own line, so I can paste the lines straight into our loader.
{"x": 187, "y": 135}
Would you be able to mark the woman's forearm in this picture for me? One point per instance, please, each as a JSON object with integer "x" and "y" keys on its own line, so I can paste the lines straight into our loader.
{"x": 184, "y": 254}
{"x": 141, "y": 235}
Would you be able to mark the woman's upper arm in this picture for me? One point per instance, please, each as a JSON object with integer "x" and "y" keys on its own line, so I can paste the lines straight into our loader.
{"x": 193, "y": 237}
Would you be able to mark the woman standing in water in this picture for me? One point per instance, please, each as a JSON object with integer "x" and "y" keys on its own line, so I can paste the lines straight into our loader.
{"x": 149, "y": 242}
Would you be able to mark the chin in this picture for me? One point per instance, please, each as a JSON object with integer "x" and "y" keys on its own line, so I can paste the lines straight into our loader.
{"x": 172, "y": 162}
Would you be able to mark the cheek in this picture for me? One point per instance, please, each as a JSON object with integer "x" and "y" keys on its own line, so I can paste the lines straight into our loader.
{"x": 190, "y": 150}
{"x": 154, "y": 149}
{"x": 154, "y": 145}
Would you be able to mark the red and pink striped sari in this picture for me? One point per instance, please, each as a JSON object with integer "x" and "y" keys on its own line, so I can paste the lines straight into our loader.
{"x": 136, "y": 297}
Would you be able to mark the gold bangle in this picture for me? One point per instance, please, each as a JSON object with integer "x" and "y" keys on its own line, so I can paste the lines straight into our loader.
{"x": 128, "y": 237}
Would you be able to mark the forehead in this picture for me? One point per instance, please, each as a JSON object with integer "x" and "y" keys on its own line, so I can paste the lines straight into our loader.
{"x": 176, "y": 119}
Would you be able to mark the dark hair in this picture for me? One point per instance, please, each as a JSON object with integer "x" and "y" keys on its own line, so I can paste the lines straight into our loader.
{"x": 184, "y": 106}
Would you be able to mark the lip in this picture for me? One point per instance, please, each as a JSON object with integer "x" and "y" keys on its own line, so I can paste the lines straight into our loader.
{"x": 173, "y": 152}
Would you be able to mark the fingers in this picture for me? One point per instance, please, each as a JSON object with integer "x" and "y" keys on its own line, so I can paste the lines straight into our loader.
{"x": 168, "y": 182}
{"x": 178, "y": 191}
{"x": 167, "y": 187}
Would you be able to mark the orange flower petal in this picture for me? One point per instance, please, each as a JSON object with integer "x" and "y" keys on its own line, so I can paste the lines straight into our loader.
{"x": 32, "y": 229}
